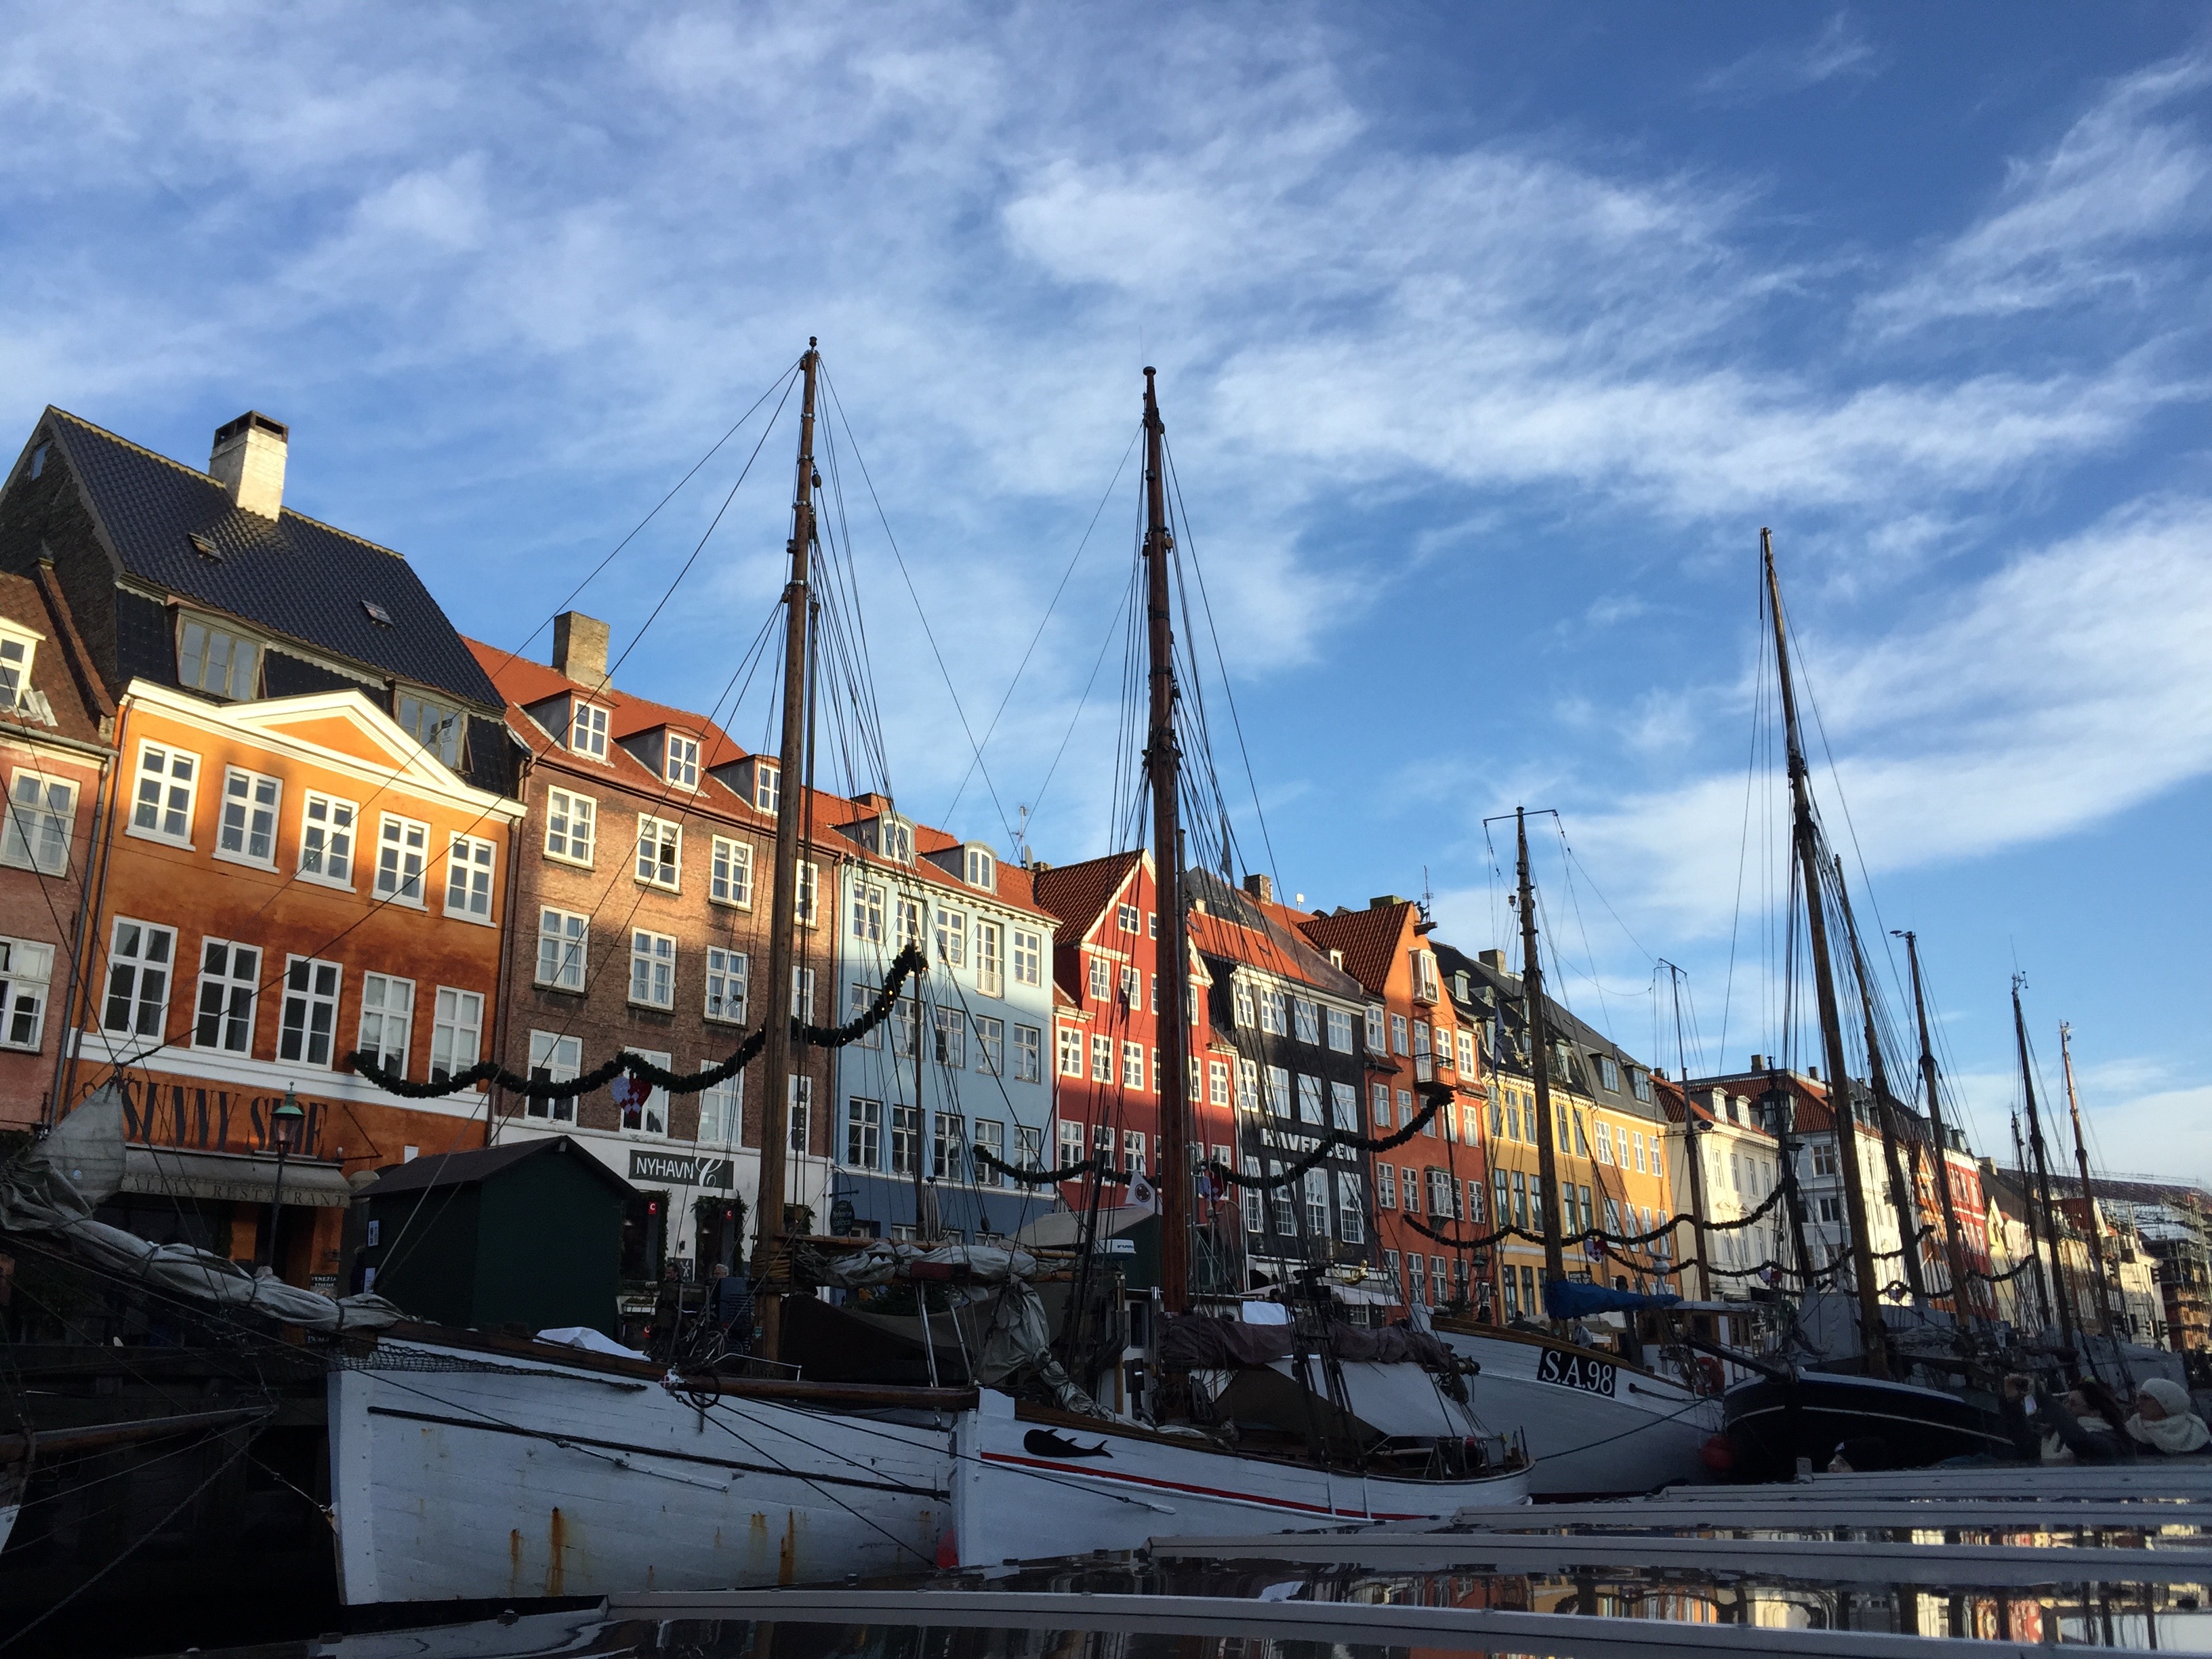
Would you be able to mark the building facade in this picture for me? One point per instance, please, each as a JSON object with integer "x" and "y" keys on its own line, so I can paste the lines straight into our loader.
{"x": 1738, "y": 1168}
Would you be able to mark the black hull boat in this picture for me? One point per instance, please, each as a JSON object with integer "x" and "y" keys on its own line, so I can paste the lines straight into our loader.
{"x": 1773, "y": 1422}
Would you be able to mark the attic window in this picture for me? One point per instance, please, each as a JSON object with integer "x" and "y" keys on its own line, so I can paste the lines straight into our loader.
{"x": 376, "y": 613}
{"x": 203, "y": 547}
{"x": 38, "y": 460}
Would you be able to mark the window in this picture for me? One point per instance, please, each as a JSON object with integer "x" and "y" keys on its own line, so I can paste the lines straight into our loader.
{"x": 1424, "y": 975}
{"x": 802, "y": 994}
{"x": 766, "y": 779}
{"x": 1521, "y": 1201}
{"x": 1474, "y": 1198}
{"x": 1444, "y": 1192}
{"x": 1421, "y": 1040}
{"x": 168, "y": 780}
{"x": 1248, "y": 1086}
{"x": 1340, "y": 1030}
{"x": 217, "y": 661}
{"x": 1279, "y": 1090}
{"x": 1125, "y": 917}
{"x": 722, "y": 1109}
{"x": 1316, "y": 1190}
{"x": 228, "y": 976}
{"x": 327, "y": 840}
{"x": 1070, "y": 1143}
{"x": 1375, "y": 1038}
{"x": 991, "y": 1043}
{"x": 1416, "y": 1278}
{"x": 799, "y": 1104}
{"x": 1467, "y": 1054}
{"x": 1504, "y": 1209}
{"x": 1028, "y": 1148}
{"x": 387, "y": 1015}
{"x": 1216, "y": 1083}
{"x": 1639, "y": 1083}
{"x": 644, "y": 1105}
{"x": 1275, "y": 1011}
{"x": 660, "y": 851}
{"x": 1824, "y": 1158}
{"x": 1071, "y": 1052}
{"x": 1102, "y": 1059}
{"x": 1382, "y": 1105}
{"x": 27, "y": 969}
{"x": 952, "y": 1036}
{"x": 41, "y": 812}
{"x": 982, "y": 870}
{"x": 1133, "y": 1065}
{"x": 1128, "y": 987}
{"x": 1582, "y": 1144}
{"x": 1443, "y": 1047}
{"x": 952, "y": 938}
{"x": 808, "y": 883}
{"x": 1308, "y": 1017}
{"x": 681, "y": 761}
{"x": 731, "y": 881}
{"x": 456, "y": 1032}
{"x": 1028, "y": 1055}
{"x": 1406, "y": 1112}
{"x": 1101, "y": 980}
{"x": 1386, "y": 1186}
{"x": 310, "y": 1011}
{"x": 1029, "y": 958}
{"x": 1246, "y": 1016}
{"x": 1832, "y": 1208}
{"x": 1604, "y": 1141}
{"x": 554, "y": 1059}
{"x": 139, "y": 959}
{"x": 903, "y": 1140}
{"x": 588, "y": 731}
{"x": 561, "y": 937}
{"x": 402, "y": 845}
{"x": 990, "y": 959}
{"x": 1309, "y": 1100}
{"x": 1640, "y": 1169}
{"x": 868, "y": 912}
{"x": 1398, "y": 1034}
{"x": 652, "y": 969}
{"x": 1344, "y": 1108}
{"x": 990, "y": 1137}
{"x": 948, "y": 1145}
{"x": 1351, "y": 1224}
{"x": 435, "y": 726}
{"x": 1132, "y": 1151}
{"x": 859, "y": 999}
{"x": 468, "y": 878}
{"x": 1608, "y": 1073}
{"x": 864, "y": 1133}
{"x": 571, "y": 820}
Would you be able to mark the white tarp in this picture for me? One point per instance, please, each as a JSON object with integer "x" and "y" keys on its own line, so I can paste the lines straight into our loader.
{"x": 55, "y": 1186}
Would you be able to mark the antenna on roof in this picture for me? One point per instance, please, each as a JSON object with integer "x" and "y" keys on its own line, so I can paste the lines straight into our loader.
{"x": 1428, "y": 902}
{"x": 1022, "y": 837}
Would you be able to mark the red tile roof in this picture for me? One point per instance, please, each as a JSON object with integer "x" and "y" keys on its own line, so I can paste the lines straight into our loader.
{"x": 1371, "y": 940}
{"x": 1079, "y": 893}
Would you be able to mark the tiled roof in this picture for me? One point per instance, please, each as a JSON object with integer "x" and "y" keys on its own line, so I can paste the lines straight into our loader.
{"x": 1233, "y": 925}
{"x": 1368, "y": 938}
{"x": 1079, "y": 893}
{"x": 76, "y": 714}
{"x": 295, "y": 577}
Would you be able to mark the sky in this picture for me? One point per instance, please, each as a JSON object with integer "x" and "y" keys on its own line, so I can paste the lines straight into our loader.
{"x": 1489, "y": 338}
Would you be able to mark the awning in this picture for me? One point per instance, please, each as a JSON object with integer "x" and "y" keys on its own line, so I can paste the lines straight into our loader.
{"x": 245, "y": 1176}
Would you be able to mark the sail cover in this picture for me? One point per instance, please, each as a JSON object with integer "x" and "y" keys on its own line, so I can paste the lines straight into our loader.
{"x": 55, "y": 1186}
{"x": 1566, "y": 1299}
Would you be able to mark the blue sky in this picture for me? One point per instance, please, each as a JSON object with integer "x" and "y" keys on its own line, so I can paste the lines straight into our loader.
{"x": 1489, "y": 337}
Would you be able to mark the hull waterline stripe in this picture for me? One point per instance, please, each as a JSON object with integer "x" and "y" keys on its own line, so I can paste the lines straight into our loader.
{"x": 1156, "y": 1485}
{"x": 654, "y": 1451}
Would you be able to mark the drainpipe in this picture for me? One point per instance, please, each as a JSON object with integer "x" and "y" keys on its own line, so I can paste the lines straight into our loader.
{"x": 510, "y": 940}
{"x": 93, "y": 901}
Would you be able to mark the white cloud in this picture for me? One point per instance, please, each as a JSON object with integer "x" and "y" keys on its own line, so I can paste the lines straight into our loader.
{"x": 1839, "y": 50}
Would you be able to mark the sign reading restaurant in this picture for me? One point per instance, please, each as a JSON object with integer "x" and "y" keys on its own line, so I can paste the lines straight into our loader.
{"x": 682, "y": 1169}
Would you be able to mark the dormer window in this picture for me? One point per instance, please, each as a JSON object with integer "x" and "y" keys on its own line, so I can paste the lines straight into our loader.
{"x": 982, "y": 869}
{"x": 898, "y": 841}
{"x": 767, "y": 781}
{"x": 217, "y": 661}
{"x": 19, "y": 648}
{"x": 587, "y": 730}
{"x": 435, "y": 726}
{"x": 680, "y": 760}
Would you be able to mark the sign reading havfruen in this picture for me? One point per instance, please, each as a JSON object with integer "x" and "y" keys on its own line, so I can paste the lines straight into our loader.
{"x": 683, "y": 1169}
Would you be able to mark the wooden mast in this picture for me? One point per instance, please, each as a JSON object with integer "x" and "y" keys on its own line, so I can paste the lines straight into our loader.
{"x": 1805, "y": 834}
{"x": 1965, "y": 1300}
{"x": 2090, "y": 1204}
{"x": 1904, "y": 1197}
{"x": 791, "y": 757}
{"x": 1540, "y": 1063}
{"x": 1163, "y": 769}
{"x": 2060, "y": 1295}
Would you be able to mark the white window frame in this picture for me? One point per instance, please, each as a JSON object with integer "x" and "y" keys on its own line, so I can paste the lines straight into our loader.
{"x": 1340, "y": 1030}
{"x": 448, "y": 726}
{"x": 652, "y": 969}
{"x": 731, "y": 876}
{"x": 19, "y": 651}
{"x": 456, "y": 1031}
{"x": 722, "y": 1109}
{"x": 472, "y": 868}
{"x": 1124, "y": 918}
{"x": 1027, "y": 956}
{"x": 587, "y": 730}
{"x": 990, "y": 1045}
{"x": 1309, "y": 1096}
{"x": 393, "y": 879}
{"x": 990, "y": 1136}
{"x": 571, "y": 949}
{"x": 802, "y": 994}
{"x": 241, "y": 670}
{"x": 1279, "y": 1090}
{"x": 173, "y": 794}
{"x": 1101, "y": 1058}
{"x": 318, "y": 839}
{"x": 1071, "y": 1050}
{"x": 1344, "y": 1108}
{"x": 729, "y": 985}
{"x": 387, "y": 1003}
{"x": 259, "y": 809}
{"x": 559, "y": 1056}
{"x": 767, "y": 786}
{"x": 296, "y": 1040}
{"x": 807, "y": 899}
{"x": 38, "y": 834}
{"x": 27, "y": 974}
{"x": 982, "y": 869}
{"x": 798, "y": 1114}
{"x": 651, "y": 1111}
{"x": 139, "y": 963}
{"x": 1102, "y": 979}
{"x": 864, "y": 1133}
{"x": 1217, "y": 1082}
{"x": 1029, "y": 1054}
{"x": 1274, "y": 1010}
{"x": 951, "y": 937}
{"x": 1133, "y": 1065}
{"x": 659, "y": 852}
{"x": 234, "y": 978}
{"x": 990, "y": 958}
{"x": 867, "y": 912}
{"x": 1398, "y": 1036}
{"x": 566, "y": 811}
{"x": 1305, "y": 1016}
{"x": 679, "y": 760}
{"x": 1386, "y": 1186}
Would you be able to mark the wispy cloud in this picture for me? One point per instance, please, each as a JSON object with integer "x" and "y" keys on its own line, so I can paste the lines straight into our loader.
{"x": 1839, "y": 50}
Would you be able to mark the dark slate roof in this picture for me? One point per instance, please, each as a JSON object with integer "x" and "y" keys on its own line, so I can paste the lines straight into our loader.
{"x": 297, "y": 577}
{"x": 466, "y": 1169}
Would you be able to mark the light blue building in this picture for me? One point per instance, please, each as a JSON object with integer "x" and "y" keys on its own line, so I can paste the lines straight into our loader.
{"x": 961, "y": 1068}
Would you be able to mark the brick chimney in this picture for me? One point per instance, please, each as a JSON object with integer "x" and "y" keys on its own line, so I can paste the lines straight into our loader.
{"x": 1493, "y": 960}
{"x": 579, "y": 648}
{"x": 248, "y": 462}
{"x": 1261, "y": 887}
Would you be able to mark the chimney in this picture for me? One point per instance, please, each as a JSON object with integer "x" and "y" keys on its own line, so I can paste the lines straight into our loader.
{"x": 1759, "y": 1062}
{"x": 579, "y": 648}
{"x": 1384, "y": 901}
{"x": 1261, "y": 887}
{"x": 1493, "y": 960}
{"x": 248, "y": 462}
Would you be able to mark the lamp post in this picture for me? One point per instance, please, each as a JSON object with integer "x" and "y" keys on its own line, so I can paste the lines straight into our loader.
{"x": 284, "y": 1127}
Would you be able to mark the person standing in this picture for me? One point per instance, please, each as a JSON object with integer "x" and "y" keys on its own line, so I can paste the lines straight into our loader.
{"x": 730, "y": 1305}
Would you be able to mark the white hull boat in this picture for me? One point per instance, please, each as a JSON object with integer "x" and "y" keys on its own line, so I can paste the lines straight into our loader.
{"x": 457, "y": 1472}
{"x": 1033, "y": 1485}
{"x": 1595, "y": 1425}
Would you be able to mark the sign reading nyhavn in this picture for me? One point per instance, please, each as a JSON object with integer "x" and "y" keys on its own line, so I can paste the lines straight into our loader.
{"x": 681, "y": 1169}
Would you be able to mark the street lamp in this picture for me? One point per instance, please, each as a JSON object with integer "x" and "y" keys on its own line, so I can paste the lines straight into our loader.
{"x": 284, "y": 1124}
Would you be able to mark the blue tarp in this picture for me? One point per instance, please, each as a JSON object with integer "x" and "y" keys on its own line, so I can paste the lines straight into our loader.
{"x": 1565, "y": 1299}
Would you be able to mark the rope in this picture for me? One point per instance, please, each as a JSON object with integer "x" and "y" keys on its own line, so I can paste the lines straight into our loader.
{"x": 907, "y": 962}
{"x": 1438, "y": 1097}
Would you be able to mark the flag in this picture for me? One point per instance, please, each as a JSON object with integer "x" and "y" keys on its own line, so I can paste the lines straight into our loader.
{"x": 1141, "y": 1195}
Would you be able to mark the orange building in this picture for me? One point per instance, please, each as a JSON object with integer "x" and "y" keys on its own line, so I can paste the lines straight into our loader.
{"x": 303, "y": 849}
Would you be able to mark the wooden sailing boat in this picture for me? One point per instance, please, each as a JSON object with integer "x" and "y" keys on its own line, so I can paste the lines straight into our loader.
{"x": 1031, "y": 1482}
